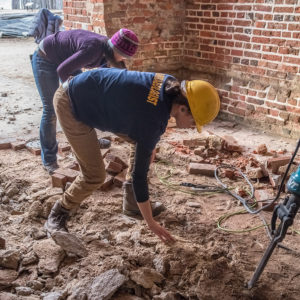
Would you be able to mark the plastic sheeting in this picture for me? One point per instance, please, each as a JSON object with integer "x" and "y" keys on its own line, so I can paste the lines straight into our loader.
{"x": 14, "y": 25}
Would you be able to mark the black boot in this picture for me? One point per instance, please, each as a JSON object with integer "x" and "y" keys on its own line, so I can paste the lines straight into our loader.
{"x": 57, "y": 219}
{"x": 130, "y": 207}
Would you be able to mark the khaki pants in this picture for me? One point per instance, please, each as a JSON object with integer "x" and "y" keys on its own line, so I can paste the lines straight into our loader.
{"x": 84, "y": 142}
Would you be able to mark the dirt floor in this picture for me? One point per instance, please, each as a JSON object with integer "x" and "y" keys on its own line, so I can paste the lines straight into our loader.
{"x": 206, "y": 262}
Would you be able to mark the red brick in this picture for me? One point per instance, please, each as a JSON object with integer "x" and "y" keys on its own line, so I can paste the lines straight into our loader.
{"x": 262, "y": 149}
{"x": 256, "y": 173}
{"x": 120, "y": 178}
{"x": 108, "y": 183}
{"x": 193, "y": 143}
{"x": 2, "y": 243}
{"x": 34, "y": 151}
{"x": 62, "y": 147}
{"x": 265, "y": 197}
{"x": 275, "y": 163}
{"x": 229, "y": 173}
{"x": 202, "y": 169}
{"x": 69, "y": 173}
{"x": 110, "y": 157}
{"x": 114, "y": 167}
{"x": 18, "y": 145}
{"x": 59, "y": 180}
{"x": 5, "y": 145}
{"x": 230, "y": 144}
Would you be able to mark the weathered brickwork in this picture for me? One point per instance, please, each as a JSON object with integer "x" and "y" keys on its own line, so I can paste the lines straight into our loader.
{"x": 159, "y": 25}
{"x": 249, "y": 49}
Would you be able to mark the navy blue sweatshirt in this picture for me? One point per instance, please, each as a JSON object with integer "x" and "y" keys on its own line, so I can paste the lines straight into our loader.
{"x": 128, "y": 103}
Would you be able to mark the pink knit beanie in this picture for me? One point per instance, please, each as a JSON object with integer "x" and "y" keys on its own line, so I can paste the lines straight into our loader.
{"x": 125, "y": 42}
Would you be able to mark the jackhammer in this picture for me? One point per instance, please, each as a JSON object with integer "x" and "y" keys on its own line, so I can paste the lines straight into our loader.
{"x": 286, "y": 213}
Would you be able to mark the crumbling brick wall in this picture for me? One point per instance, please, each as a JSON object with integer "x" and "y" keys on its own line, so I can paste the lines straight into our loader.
{"x": 159, "y": 25}
{"x": 248, "y": 49}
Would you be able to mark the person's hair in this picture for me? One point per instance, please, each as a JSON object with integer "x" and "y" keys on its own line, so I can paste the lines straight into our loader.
{"x": 110, "y": 57}
{"x": 172, "y": 89}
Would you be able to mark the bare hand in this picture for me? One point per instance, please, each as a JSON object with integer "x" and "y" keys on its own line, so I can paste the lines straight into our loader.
{"x": 161, "y": 232}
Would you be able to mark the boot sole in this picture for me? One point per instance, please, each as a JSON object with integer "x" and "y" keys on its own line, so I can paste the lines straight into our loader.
{"x": 131, "y": 213}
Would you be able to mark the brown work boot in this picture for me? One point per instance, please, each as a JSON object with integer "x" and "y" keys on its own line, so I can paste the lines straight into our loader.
{"x": 130, "y": 207}
{"x": 57, "y": 219}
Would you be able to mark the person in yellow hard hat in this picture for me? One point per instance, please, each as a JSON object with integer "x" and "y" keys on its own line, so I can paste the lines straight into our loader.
{"x": 135, "y": 105}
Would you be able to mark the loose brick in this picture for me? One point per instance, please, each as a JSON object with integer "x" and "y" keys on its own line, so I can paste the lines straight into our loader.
{"x": 262, "y": 149}
{"x": 62, "y": 147}
{"x": 69, "y": 173}
{"x": 34, "y": 151}
{"x": 113, "y": 167}
{"x": 230, "y": 144}
{"x": 229, "y": 173}
{"x": 275, "y": 163}
{"x": 108, "y": 183}
{"x": 120, "y": 178}
{"x": 18, "y": 145}
{"x": 202, "y": 169}
{"x": 265, "y": 197}
{"x": 5, "y": 145}
{"x": 59, "y": 180}
{"x": 275, "y": 180}
{"x": 193, "y": 143}
{"x": 34, "y": 147}
{"x": 199, "y": 150}
{"x": 2, "y": 243}
{"x": 110, "y": 157}
{"x": 256, "y": 173}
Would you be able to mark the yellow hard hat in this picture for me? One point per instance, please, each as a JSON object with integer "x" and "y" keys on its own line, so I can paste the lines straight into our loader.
{"x": 203, "y": 100}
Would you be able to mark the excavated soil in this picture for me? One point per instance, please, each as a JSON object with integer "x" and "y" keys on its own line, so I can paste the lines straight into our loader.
{"x": 205, "y": 262}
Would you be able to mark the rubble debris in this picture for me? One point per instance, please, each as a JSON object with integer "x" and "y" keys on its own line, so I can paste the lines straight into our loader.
{"x": 113, "y": 168}
{"x": 108, "y": 183}
{"x": 106, "y": 284}
{"x": 231, "y": 144}
{"x": 18, "y": 145}
{"x": 63, "y": 147}
{"x": 146, "y": 277}
{"x": 59, "y": 180}
{"x": 120, "y": 178}
{"x": 70, "y": 243}
{"x": 9, "y": 259}
{"x": 34, "y": 147}
{"x": 264, "y": 197}
{"x": 275, "y": 180}
{"x": 5, "y": 145}
{"x": 275, "y": 163}
{"x": 202, "y": 169}
{"x": 110, "y": 157}
{"x": 7, "y": 276}
{"x": 2, "y": 243}
{"x": 194, "y": 143}
{"x": 262, "y": 149}
{"x": 69, "y": 173}
{"x": 50, "y": 256}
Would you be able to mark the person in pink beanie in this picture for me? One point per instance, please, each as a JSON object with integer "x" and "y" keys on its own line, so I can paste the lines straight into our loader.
{"x": 64, "y": 54}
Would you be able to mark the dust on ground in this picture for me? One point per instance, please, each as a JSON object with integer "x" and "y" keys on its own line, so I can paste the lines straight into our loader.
{"x": 204, "y": 263}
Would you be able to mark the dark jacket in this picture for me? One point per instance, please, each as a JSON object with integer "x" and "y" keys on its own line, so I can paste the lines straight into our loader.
{"x": 44, "y": 24}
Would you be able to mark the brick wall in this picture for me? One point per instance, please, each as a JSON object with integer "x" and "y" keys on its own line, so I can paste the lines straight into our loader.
{"x": 249, "y": 49}
{"x": 157, "y": 23}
